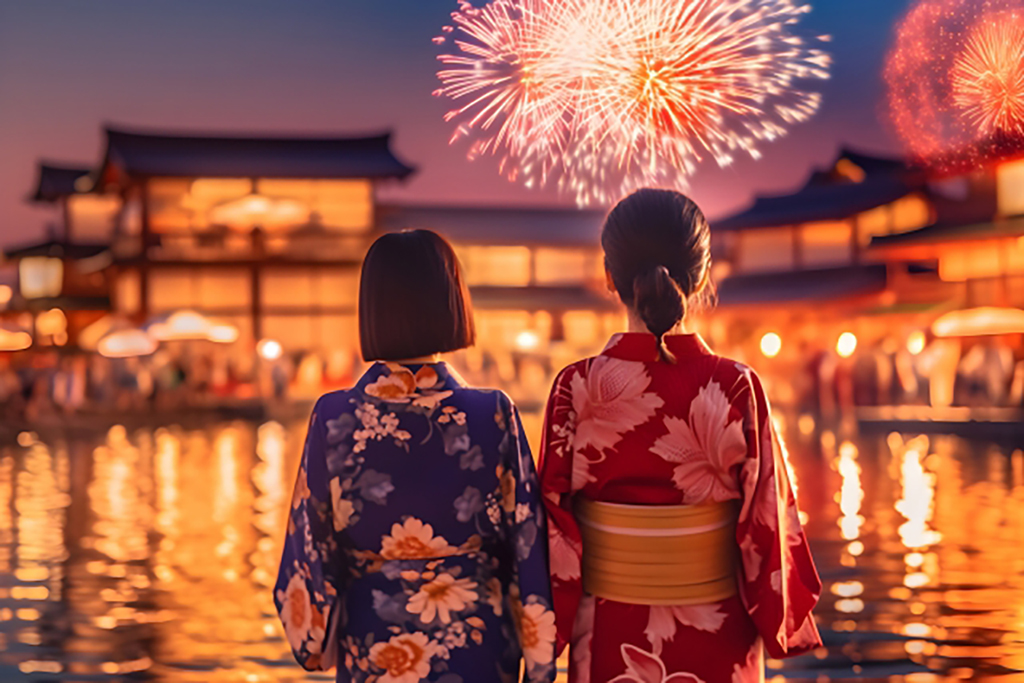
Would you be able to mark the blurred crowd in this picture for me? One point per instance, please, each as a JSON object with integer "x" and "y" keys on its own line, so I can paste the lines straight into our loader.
{"x": 944, "y": 373}
{"x": 37, "y": 384}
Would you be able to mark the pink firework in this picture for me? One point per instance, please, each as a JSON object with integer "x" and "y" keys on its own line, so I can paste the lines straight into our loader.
{"x": 603, "y": 95}
{"x": 956, "y": 81}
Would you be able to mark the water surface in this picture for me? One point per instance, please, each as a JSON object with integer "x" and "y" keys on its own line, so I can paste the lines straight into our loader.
{"x": 150, "y": 555}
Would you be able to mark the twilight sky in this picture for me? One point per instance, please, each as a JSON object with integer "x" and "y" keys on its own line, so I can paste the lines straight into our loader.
{"x": 336, "y": 66}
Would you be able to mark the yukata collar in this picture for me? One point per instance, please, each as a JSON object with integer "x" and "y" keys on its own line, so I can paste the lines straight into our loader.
{"x": 412, "y": 378}
{"x": 641, "y": 346}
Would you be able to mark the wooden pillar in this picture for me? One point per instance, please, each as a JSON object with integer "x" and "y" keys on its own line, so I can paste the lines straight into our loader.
{"x": 255, "y": 305}
{"x": 146, "y": 243}
{"x": 66, "y": 211}
{"x": 854, "y": 239}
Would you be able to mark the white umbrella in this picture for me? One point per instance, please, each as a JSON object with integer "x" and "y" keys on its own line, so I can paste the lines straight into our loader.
{"x": 980, "y": 322}
{"x": 130, "y": 343}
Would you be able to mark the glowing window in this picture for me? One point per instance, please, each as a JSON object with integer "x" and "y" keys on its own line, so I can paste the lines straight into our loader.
{"x": 873, "y": 223}
{"x": 826, "y": 244}
{"x": 496, "y": 266}
{"x": 127, "y": 292}
{"x": 910, "y": 213}
{"x": 335, "y": 204}
{"x": 582, "y": 328}
{"x": 1010, "y": 188}
{"x": 293, "y": 288}
{"x": 171, "y": 290}
{"x": 169, "y": 208}
{"x": 92, "y": 216}
{"x": 564, "y": 266}
{"x": 500, "y": 329}
{"x": 765, "y": 250}
{"x": 40, "y": 276}
{"x": 203, "y": 289}
{"x": 974, "y": 262}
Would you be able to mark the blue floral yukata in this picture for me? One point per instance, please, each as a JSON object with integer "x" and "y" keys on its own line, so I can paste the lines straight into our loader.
{"x": 416, "y": 538}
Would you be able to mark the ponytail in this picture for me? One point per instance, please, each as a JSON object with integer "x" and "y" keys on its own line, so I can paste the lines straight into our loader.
{"x": 660, "y": 304}
{"x": 657, "y": 250}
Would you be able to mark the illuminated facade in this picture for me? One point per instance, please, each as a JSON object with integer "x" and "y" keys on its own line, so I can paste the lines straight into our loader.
{"x": 796, "y": 272}
{"x": 63, "y": 282}
{"x": 267, "y": 235}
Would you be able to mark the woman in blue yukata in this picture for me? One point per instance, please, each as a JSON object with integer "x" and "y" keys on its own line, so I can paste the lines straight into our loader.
{"x": 416, "y": 537}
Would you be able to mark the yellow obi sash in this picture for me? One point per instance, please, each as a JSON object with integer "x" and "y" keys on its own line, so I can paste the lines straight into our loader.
{"x": 658, "y": 555}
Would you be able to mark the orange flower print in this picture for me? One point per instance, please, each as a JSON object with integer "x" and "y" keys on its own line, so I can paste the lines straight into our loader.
{"x": 414, "y": 540}
{"x": 508, "y": 489}
{"x": 397, "y": 387}
{"x": 536, "y": 627}
{"x": 404, "y": 658}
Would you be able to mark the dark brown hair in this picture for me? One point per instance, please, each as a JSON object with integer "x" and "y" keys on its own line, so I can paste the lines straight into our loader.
{"x": 657, "y": 248}
{"x": 413, "y": 300}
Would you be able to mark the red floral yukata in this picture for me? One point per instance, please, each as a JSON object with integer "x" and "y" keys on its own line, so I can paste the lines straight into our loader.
{"x": 629, "y": 429}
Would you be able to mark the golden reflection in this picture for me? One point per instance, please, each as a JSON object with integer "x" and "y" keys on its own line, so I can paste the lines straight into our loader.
{"x": 180, "y": 531}
{"x": 851, "y": 494}
{"x": 916, "y": 505}
{"x": 118, "y": 503}
{"x": 6, "y": 518}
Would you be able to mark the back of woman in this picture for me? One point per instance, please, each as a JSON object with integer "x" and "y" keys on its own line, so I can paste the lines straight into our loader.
{"x": 412, "y": 553}
{"x": 676, "y": 547}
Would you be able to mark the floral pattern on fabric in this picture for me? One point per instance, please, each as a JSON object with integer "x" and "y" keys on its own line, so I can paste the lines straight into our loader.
{"x": 415, "y": 541}
{"x": 627, "y": 428}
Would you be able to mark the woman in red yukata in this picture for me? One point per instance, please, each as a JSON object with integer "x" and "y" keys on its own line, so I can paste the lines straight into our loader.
{"x": 676, "y": 550}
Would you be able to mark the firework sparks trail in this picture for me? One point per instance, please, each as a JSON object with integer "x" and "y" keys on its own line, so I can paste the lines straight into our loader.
{"x": 955, "y": 80}
{"x": 988, "y": 77}
{"x": 602, "y": 96}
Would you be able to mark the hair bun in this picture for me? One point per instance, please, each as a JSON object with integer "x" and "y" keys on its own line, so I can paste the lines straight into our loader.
{"x": 658, "y": 301}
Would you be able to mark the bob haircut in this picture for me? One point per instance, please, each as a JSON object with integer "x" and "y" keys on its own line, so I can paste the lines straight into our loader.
{"x": 413, "y": 300}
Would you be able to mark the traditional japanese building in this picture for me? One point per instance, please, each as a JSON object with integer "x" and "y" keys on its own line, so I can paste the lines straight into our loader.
{"x": 800, "y": 265}
{"x": 267, "y": 234}
{"x": 64, "y": 280}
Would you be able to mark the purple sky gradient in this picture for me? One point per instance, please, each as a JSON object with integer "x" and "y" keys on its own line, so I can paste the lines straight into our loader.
{"x": 336, "y": 66}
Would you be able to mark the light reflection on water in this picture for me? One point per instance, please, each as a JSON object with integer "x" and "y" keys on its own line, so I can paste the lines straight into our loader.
{"x": 150, "y": 555}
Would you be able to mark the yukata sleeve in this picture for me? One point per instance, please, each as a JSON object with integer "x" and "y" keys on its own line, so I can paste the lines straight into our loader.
{"x": 526, "y": 532}
{"x": 565, "y": 543}
{"x": 779, "y": 584}
{"x": 306, "y": 593}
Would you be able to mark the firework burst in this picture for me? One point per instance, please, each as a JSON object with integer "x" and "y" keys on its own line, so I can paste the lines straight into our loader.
{"x": 956, "y": 81}
{"x": 601, "y": 96}
{"x": 988, "y": 77}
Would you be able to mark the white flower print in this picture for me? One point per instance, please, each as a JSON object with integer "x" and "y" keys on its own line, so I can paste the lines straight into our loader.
{"x": 706, "y": 448}
{"x": 565, "y": 555}
{"x": 431, "y": 400}
{"x": 342, "y": 509}
{"x": 645, "y": 667}
{"x": 404, "y": 659}
{"x": 661, "y": 624}
{"x": 751, "y": 671}
{"x": 751, "y": 558}
{"x": 414, "y": 540}
{"x": 582, "y": 635}
{"x": 523, "y": 513}
{"x": 441, "y": 597}
{"x": 377, "y": 427}
{"x": 610, "y": 400}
